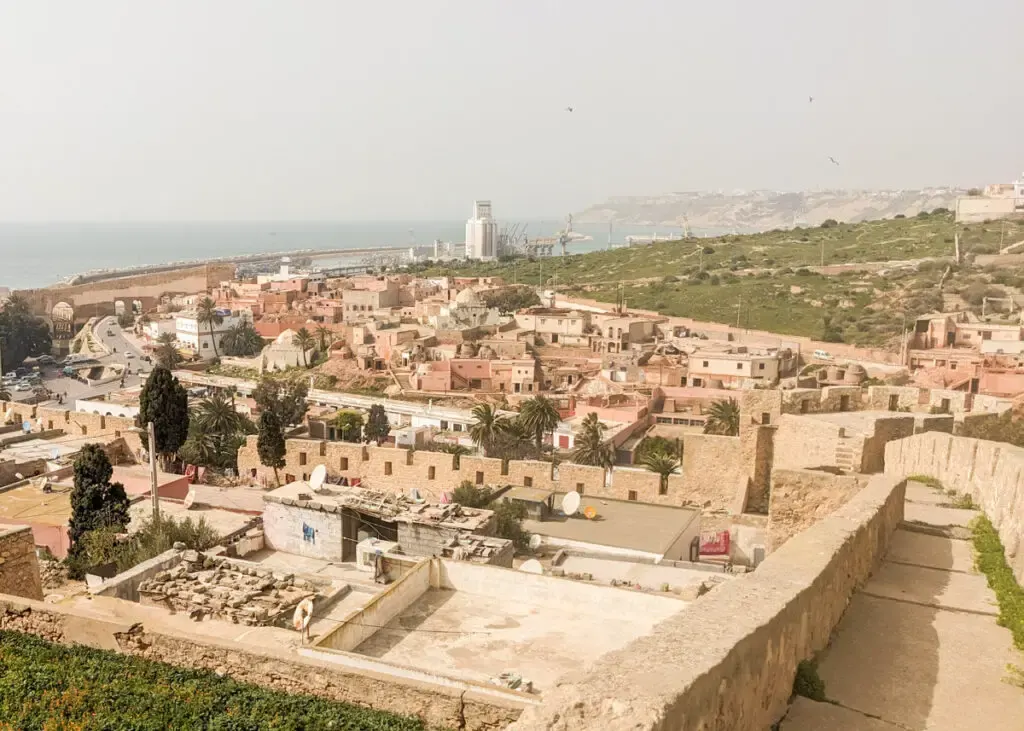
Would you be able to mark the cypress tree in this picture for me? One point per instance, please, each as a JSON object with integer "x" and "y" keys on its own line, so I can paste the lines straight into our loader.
{"x": 164, "y": 401}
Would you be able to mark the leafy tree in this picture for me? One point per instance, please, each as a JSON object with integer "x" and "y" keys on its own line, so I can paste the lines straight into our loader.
{"x": 539, "y": 416}
{"x": 164, "y": 402}
{"x": 657, "y": 445}
{"x": 515, "y": 441}
{"x": 126, "y": 320}
{"x": 96, "y": 503}
{"x": 377, "y": 425}
{"x": 723, "y": 418}
{"x": 284, "y": 396}
{"x": 663, "y": 464}
{"x": 472, "y": 496}
{"x": 350, "y": 425}
{"x": 305, "y": 341}
{"x": 270, "y": 443}
{"x": 325, "y": 336}
{"x": 487, "y": 427}
{"x": 508, "y": 523}
{"x": 831, "y": 333}
{"x": 167, "y": 354}
{"x": 591, "y": 448}
{"x": 829, "y": 223}
{"x": 242, "y": 340}
{"x": 207, "y": 314}
{"x": 22, "y": 334}
{"x": 511, "y": 299}
{"x": 216, "y": 431}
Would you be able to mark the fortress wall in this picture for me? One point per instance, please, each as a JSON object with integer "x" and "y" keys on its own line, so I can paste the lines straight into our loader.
{"x": 727, "y": 662}
{"x": 992, "y": 473}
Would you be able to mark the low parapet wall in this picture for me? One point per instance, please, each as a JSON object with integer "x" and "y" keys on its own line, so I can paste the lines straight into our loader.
{"x": 992, "y": 473}
{"x": 727, "y": 663}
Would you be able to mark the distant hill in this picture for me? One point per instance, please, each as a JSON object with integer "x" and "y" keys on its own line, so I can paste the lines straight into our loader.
{"x": 762, "y": 210}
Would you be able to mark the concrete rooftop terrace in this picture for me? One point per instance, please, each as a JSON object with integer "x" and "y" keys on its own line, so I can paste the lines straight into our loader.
{"x": 619, "y": 524}
{"x": 860, "y": 422}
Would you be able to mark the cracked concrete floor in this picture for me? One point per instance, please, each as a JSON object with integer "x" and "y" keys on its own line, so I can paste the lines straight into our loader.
{"x": 919, "y": 647}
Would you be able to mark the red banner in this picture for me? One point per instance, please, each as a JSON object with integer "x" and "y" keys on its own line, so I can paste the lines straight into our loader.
{"x": 714, "y": 544}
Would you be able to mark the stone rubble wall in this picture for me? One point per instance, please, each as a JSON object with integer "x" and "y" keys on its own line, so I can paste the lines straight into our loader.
{"x": 992, "y": 473}
{"x": 800, "y": 498}
{"x": 728, "y": 661}
{"x": 440, "y": 706}
{"x": 19, "y": 568}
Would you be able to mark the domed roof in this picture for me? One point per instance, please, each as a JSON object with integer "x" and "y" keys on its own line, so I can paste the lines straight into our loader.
{"x": 468, "y": 297}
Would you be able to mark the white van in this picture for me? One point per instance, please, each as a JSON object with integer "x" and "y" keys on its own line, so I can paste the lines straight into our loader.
{"x": 822, "y": 355}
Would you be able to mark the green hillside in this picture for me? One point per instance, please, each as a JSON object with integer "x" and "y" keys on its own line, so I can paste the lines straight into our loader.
{"x": 762, "y": 281}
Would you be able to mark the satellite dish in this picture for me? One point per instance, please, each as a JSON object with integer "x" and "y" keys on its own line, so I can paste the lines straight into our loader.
{"x": 316, "y": 480}
{"x": 533, "y": 566}
{"x": 535, "y": 541}
{"x": 190, "y": 498}
{"x": 302, "y": 617}
{"x": 571, "y": 503}
{"x": 54, "y": 454}
{"x": 26, "y": 426}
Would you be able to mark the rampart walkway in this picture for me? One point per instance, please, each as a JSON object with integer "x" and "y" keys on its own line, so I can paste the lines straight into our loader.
{"x": 919, "y": 647}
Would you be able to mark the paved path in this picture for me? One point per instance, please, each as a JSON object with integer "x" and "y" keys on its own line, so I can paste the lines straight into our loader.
{"x": 919, "y": 648}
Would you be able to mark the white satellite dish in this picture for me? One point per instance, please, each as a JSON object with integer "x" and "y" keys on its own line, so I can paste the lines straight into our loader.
{"x": 190, "y": 498}
{"x": 535, "y": 541}
{"x": 533, "y": 566}
{"x": 316, "y": 480}
{"x": 571, "y": 503}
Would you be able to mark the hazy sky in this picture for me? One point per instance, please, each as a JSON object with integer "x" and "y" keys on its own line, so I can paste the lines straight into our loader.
{"x": 338, "y": 110}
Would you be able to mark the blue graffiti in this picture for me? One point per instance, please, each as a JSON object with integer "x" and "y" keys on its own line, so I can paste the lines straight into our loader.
{"x": 308, "y": 534}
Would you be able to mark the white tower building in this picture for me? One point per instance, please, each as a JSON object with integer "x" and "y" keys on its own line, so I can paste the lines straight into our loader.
{"x": 482, "y": 233}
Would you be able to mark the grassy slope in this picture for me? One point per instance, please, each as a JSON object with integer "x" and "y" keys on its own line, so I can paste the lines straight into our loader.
{"x": 758, "y": 269}
{"x": 46, "y": 686}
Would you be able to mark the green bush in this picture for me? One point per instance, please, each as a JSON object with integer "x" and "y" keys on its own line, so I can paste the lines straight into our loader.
{"x": 807, "y": 682}
{"x": 991, "y": 561}
{"x": 46, "y": 686}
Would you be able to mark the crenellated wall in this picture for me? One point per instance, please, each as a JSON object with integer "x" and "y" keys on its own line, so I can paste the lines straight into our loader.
{"x": 716, "y": 471}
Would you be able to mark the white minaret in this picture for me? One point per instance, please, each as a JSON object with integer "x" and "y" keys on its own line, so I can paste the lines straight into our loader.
{"x": 481, "y": 233}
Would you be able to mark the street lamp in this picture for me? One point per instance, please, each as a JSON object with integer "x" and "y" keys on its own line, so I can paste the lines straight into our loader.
{"x": 150, "y": 432}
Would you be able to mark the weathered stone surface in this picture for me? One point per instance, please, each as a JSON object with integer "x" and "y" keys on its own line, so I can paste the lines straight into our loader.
{"x": 935, "y": 552}
{"x": 808, "y": 715}
{"x": 19, "y": 568}
{"x": 932, "y": 587}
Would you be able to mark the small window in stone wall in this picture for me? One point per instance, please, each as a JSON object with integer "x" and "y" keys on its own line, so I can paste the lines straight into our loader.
{"x": 387, "y": 468}
{"x": 527, "y": 482}
{"x": 343, "y": 464}
{"x": 479, "y": 477}
{"x": 302, "y": 458}
{"x": 431, "y": 472}
{"x": 579, "y": 487}
{"x": 631, "y": 495}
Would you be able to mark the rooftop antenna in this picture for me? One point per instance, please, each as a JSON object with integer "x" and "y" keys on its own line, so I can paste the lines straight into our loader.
{"x": 533, "y": 566}
{"x": 571, "y": 503}
{"x": 316, "y": 479}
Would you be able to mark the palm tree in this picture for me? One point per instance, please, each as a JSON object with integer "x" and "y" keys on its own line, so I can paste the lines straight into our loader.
{"x": 167, "y": 354}
{"x": 723, "y": 418}
{"x": 303, "y": 340}
{"x": 487, "y": 426}
{"x": 242, "y": 340}
{"x": 217, "y": 415}
{"x": 326, "y": 336}
{"x": 539, "y": 415}
{"x": 664, "y": 465}
{"x": 206, "y": 314}
{"x": 591, "y": 448}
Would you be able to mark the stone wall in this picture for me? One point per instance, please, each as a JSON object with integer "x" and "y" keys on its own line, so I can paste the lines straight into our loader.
{"x": 800, "y": 498}
{"x": 802, "y": 443}
{"x": 992, "y": 473}
{"x": 440, "y": 705}
{"x": 728, "y": 661}
{"x": 714, "y": 470}
{"x": 76, "y": 423}
{"x": 19, "y": 568}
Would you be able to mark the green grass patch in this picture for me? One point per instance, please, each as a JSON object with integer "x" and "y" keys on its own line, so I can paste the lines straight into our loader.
{"x": 962, "y": 502}
{"x": 808, "y": 683}
{"x": 991, "y": 561}
{"x": 48, "y": 686}
{"x": 927, "y": 480}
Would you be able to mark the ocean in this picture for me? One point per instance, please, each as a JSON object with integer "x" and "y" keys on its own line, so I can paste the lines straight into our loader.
{"x": 40, "y": 254}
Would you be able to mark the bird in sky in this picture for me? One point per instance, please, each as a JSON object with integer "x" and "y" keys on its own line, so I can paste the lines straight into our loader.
{"x": 568, "y": 109}
{"x": 810, "y": 99}
{"x": 834, "y": 162}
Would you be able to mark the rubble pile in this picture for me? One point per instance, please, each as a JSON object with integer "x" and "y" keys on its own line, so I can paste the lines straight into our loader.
{"x": 214, "y": 587}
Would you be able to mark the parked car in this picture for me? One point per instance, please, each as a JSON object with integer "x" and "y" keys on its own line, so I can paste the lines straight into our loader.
{"x": 22, "y": 386}
{"x": 129, "y": 356}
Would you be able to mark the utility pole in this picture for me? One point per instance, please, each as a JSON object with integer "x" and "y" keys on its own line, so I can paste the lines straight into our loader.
{"x": 823, "y": 252}
{"x": 739, "y": 309}
{"x": 152, "y": 471}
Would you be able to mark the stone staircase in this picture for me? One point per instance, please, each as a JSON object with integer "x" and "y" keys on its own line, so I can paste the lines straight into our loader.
{"x": 847, "y": 456}
{"x": 919, "y": 647}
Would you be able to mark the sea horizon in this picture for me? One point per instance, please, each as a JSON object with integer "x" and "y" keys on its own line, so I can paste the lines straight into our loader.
{"x": 40, "y": 254}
